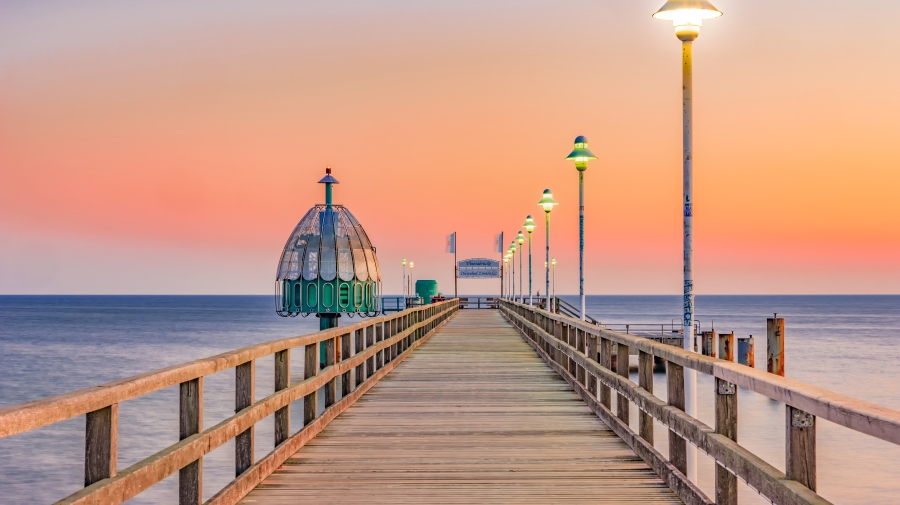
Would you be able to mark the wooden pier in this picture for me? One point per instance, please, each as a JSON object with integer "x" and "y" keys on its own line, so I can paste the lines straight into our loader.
{"x": 474, "y": 416}
{"x": 437, "y": 405}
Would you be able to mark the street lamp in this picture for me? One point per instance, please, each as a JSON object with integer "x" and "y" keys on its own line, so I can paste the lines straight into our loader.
{"x": 688, "y": 16}
{"x": 506, "y": 268}
{"x": 403, "y": 286}
{"x": 581, "y": 155}
{"x": 553, "y": 266}
{"x": 409, "y": 280}
{"x": 529, "y": 227}
{"x": 512, "y": 252}
{"x": 520, "y": 238}
{"x": 547, "y": 202}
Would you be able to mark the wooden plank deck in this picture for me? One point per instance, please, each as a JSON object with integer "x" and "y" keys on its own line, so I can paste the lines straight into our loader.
{"x": 473, "y": 416}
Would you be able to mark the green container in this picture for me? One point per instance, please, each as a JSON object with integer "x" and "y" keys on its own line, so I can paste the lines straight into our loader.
{"x": 426, "y": 289}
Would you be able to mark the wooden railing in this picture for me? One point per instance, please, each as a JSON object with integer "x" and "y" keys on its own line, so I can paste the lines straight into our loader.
{"x": 378, "y": 345}
{"x": 581, "y": 354}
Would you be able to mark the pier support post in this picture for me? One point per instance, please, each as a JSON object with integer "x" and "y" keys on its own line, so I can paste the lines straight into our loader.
{"x": 592, "y": 356}
{"x": 282, "y": 381}
{"x": 244, "y": 390}
{"x": 745, "y": 351}
{"x": 101, "y": 442}
{"x": 726, "y": 424}
{"x": 190, "y": 422}
{"x": 606, "y": 362}
{"x": 622, "y": 362}
{"x": 800, "y": 447}
{"x": 775, "y": 345}
{"x": 675, "y": 387}
{"x": 708, "y": 343}
{"x": 645, "y": 380}
{"x": 726, "y": 346}
{"x": 310, "y": 369}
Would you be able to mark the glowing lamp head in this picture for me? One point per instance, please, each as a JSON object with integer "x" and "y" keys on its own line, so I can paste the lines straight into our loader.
{"x": 520, "y": 238}
{"x": 687, "y": 16}
{"x": 529, "y": 224}
{"x": 410, "y": 265}
{"x": 581, "y": 154}
{"x": 547, "y": 202}
{"x": 553, "y": 261}
{"x": 404, "y": 262}
{"x": 512, "y": 247}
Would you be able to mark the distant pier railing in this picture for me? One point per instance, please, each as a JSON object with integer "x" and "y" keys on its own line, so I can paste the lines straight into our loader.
{"x": 377, "y": 344}
{"x": 582, "y": 354}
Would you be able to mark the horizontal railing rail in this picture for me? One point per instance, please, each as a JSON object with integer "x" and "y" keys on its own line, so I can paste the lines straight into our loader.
{"x": 378, "y": 344}
{"x": 582, "y": 354}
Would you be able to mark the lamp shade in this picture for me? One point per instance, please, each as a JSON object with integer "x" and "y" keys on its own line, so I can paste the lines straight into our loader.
{"x": 581, "y": 154}
{"x": 674, "y": 10}
{"x": 547, "y": 202}
{"x": 529, "y": 224}
{"x": 520, "y": 238}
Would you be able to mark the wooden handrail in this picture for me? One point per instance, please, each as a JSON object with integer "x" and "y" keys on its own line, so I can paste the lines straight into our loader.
{"x": 399, "y": 334}
{"x": 855, "y": 414}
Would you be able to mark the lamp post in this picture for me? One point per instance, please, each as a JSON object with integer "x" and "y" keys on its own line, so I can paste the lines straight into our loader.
{"x": 512, "y": 252}
{"x": 547, "y": 202}
{"x": 688, "y": 16}
{"x": 520, "y": 238}
{"x": 553, "y": 267}
{"x": 506, "y": 269}
{"x": 581, "y": 155}
{"x": 409, "y": 281}
{"x": 403, "y": 286}
{"x": 529, "y": 227}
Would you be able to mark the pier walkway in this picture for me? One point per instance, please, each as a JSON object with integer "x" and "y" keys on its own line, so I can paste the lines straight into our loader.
{"x": 473, "y": 416}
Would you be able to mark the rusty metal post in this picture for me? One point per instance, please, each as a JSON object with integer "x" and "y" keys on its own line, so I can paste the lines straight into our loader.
{"x": 745, "y": 351}
{"x": 775, "y": 345}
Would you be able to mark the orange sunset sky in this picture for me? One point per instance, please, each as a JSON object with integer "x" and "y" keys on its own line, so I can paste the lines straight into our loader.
{"x": 171, "y": 146}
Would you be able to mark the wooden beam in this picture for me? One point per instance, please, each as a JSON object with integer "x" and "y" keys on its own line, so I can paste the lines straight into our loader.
{"x": 310, "y": 370}
{"x": 101, "y": 444}
{"x": 800, "y": 447}
{"x": 346, "y": 385}
{"x": 645, "y": 380}
{"x": 726, "y": 424}
{"x": 622, "y": 364}
{"x": 675, "y": 390}
{"x": 592, "y": 355}
{"x": 605, "y": 362}
{"x": 282, "y": 381}
{"x": 190, "y": 422}
{"x": 244, "y": 392}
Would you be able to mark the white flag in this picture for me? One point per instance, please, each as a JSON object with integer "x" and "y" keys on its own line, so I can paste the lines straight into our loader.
{"x": 451, "y": 243}
{"x": 500, "y": 243}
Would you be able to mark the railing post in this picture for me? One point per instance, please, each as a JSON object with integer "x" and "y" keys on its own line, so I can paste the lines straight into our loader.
{"x": 282, "y": 381}
{"x": 606, "y": 362}
{"x": 310, "y": 370}
{"x": 244, "y": 389}
{"x": 358, "y": 345}
{"x": 190, "y": 422}
{"x": 622, "y": 363}
{"x": 726, "y": 424}
{"x": 579, "y": 345}
{"x": 675, "y": 387}
{"x": 645, "y": 380}
{"x": 331, "y": 385}
{"x": 345, "y": 355}
{"x": 592, "y": 356}
{"x": 101, "y": 440}
{"x": 800, "y": 447}
{"x": 379, "y": 356}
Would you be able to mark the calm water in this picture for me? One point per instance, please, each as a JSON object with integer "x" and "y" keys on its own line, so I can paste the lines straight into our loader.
{"x": 53, "y": 344}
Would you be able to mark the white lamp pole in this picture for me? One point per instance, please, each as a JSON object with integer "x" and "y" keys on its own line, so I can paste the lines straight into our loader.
{"x": 547, "y": 202}
{"x": 688, "y": 16}
{"x": 581, "y": 155}
{"x": 529, "y": 226}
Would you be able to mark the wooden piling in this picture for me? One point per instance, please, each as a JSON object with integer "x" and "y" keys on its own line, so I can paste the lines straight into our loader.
{"x": 800, "y": 447}
{"x": 709, "y": 345}
{"x": 775, "y": 345}
{"x": 726, "y": 346}
{"x": 745, "y": 351}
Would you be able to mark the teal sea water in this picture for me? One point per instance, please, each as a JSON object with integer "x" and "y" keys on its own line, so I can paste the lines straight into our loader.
{"x": 55, "y": 344}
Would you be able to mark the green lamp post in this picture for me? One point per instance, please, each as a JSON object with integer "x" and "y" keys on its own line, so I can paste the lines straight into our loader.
{"x": 512, "y": 261}
{"x": 581, "y": 155}
{"x": 520, "y": 239}
{"x": 529, "y": 227}
{"x": 403, "y": 285}
{"x": 547, "y": 203}
{"x": 687, "y": 16}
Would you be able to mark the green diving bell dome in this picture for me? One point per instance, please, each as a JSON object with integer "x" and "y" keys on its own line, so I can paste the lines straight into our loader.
{"x": 328, "y": 265}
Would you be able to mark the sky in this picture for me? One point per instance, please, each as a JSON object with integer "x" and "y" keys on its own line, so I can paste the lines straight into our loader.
{"x": 172, "y": 146}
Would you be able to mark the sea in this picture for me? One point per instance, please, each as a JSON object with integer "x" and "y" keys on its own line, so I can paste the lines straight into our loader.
{"x": 51, "y": 345}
